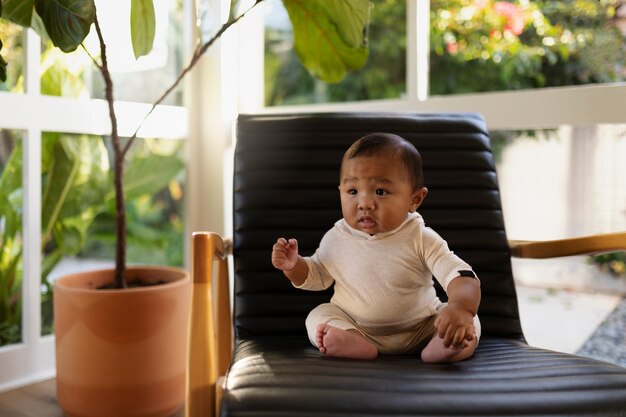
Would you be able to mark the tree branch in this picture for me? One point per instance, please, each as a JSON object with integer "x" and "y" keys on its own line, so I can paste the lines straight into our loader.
{"x": 199, "y": 51}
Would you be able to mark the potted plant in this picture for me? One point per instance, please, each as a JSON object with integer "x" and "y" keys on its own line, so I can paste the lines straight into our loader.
{"x": 121, "y": 334}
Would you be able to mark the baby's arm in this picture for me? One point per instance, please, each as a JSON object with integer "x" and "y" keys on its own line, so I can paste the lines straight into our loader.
{"x": 285, "y": 257}
{"x": 455, "y": 324}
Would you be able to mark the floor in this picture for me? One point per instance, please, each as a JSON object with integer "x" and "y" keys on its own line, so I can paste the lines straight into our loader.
{"x": 569, "y": 305}
{"x": 562, "y": 320}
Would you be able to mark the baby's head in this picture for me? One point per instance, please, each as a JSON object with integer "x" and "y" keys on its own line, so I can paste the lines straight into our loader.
{"x": 390, "y": 146}
{"x": 380, "y": 183}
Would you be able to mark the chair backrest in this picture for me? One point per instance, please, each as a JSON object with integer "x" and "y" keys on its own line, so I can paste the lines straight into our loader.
{"x": 285, "y": 184}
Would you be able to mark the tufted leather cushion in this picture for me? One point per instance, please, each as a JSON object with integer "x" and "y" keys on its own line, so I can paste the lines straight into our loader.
{"x": 276, "y": 377}
{"x": 285, "y": 184}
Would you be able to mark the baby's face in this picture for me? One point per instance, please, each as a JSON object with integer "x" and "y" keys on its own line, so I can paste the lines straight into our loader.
{"x": 376, "y": 194}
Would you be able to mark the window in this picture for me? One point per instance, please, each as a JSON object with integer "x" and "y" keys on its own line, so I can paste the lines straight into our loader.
{"x": 73, "y": 74}
{"x": 384, "y": 75}
{"x": 13, "y": 52}
{"x": 576, "y": 172}
{"x": 10, "y": 237}
{"x": 56, "y": 191}
{"x": 487, "y": 45}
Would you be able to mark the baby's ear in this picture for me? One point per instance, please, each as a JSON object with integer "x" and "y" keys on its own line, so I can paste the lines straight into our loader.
{"x": 418, "y": 197}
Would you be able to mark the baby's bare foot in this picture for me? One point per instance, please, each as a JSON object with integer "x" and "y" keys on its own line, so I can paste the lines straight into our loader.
{"x": 344, "y": 343}
{"x": 436, "y": 352}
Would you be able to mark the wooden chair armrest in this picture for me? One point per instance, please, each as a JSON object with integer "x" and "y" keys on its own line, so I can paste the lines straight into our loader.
{"x": 587, "y": 245}
{"x": 210, "y": 332}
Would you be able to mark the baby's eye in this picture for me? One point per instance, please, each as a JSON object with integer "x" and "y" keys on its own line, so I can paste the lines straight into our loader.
{"x": 352, "y": 191}
{"x": 380, "y": 191}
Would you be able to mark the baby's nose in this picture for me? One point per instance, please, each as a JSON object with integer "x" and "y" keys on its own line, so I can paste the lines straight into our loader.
{"x": 366, "y": 203}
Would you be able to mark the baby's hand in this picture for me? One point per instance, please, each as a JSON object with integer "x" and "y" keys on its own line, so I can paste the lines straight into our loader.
{"x": 285, "y": 254}
{"x": 455, "y": 326}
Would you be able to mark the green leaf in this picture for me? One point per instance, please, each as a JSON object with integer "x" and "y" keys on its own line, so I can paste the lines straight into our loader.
{"x": 38, "y": 26}
{"x": 74, "y": 183}
{"x": 18, "y": 11}
{"x": 234, "y": 9}
{"x": 352, "y": 18}
{"x": 58, "y": 184}
{"x": 11, "y": 178}
{"x": 67, "y": 21}
{"x": 49, "y": 262}
{"x": 142, "y": 26}
{"x": 149, "y": 174}
{"x": 3, "y": 67}
{"x": 330, "y": 39}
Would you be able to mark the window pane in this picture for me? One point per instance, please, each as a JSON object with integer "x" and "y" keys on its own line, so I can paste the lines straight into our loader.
{"x": 576, "y": 187}
{"x": 154, "y": 187}
{"x": 78, "y": 207}
{"x": 487, "y": 45}
{"x": 12, "y": 37}
{"x": 577, "y": 172}
{"x": 142, "y": 80}
{"x": 10, "y": 237}
{"x": 384, "y": 75}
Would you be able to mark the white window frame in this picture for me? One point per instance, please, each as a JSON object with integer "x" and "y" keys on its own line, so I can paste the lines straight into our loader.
{"x": 32, "y": 113}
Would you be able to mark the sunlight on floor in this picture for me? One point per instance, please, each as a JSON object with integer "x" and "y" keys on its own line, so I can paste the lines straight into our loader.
{"x": 562, "y": 320}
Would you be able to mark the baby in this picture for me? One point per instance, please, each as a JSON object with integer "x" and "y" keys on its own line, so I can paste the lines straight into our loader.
{"x": 381, "y": 258}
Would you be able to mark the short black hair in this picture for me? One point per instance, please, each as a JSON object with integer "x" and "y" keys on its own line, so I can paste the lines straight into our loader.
{"x": 388, "y": 144}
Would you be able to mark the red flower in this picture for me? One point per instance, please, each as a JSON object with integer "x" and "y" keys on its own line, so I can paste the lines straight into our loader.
{"x": 512, "y": 14}
{"x": 452, "y": 47}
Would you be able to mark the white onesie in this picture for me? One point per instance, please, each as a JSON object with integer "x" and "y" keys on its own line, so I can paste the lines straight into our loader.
{"x": 383, "y": 282}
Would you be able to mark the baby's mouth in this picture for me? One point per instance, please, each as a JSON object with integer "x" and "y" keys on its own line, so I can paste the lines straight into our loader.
{"x": 366, "y": 222}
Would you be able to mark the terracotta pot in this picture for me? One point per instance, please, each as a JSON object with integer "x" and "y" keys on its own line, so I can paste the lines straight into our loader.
{"x": 121, "y": 353}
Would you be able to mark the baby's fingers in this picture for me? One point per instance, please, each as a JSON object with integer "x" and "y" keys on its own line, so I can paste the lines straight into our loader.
{"x": 460, "y": 337}
{"x": 463, "y": 337}
{"x": 453, "y": 336}
{"x": 293, "y": 244}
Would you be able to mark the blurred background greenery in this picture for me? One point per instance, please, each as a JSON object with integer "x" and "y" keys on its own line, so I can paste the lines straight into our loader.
{"x": 475, "y": 46}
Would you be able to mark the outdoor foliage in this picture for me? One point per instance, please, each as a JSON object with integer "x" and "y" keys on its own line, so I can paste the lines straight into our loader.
{"x": 12, "y": 51}
{"x": 614, "y": 263}
{"x": 10, "y": 241}
{"x": 287, "y": 81}
{"x": 476, "y": 46}
{"x": 487, "y": 45}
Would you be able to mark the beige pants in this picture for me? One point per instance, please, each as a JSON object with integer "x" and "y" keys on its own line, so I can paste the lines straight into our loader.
{"x": 413, "y": 340}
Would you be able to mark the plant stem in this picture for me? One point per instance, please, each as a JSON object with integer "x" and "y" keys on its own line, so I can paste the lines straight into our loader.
{"x": 118, "y": 166}
{"x": 197, "y": 54}
{"x": 119, "y": 152}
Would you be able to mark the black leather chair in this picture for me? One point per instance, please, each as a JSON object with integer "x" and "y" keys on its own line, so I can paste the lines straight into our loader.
{"x": 285, "y": 184}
